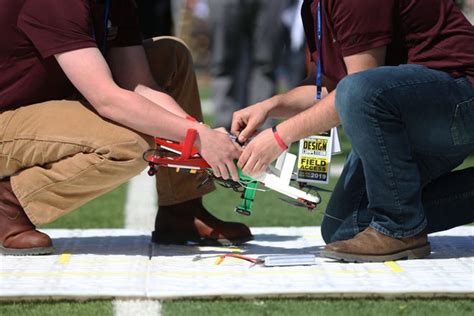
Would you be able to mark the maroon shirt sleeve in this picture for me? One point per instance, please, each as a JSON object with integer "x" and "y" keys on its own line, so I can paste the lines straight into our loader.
{"x": 56, "y": 26}
{"x": 361, "y": 25}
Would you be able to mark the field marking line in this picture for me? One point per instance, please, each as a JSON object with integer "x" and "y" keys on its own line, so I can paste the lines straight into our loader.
{"x": 310, "y": 271}
{"x": 137, "y": 307}
{"x": 140, "y": 211}
{"x": 142, "y": 202}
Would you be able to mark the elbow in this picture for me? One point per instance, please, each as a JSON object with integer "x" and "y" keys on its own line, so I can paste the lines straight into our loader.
{"x": 102, "y": 106}
{"x": 105, "y": 102}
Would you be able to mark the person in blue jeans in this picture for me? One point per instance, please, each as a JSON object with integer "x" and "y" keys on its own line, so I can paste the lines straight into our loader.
{"x": 399, "y": 79}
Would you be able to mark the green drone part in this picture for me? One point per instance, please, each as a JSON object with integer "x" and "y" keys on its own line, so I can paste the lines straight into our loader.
{"x": 248, "y": 196}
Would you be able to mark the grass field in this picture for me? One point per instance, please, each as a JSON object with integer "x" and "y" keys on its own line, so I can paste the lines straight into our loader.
{"x": 268, "y": 307}
{"x": 107, "y": 212}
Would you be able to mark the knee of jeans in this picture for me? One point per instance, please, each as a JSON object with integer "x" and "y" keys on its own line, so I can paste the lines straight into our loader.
{"x": 130, "y": 149}
{"x": 354, "y": 93}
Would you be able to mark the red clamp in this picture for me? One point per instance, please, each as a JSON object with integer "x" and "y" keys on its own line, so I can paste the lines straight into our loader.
{"x": 189, "y": 157}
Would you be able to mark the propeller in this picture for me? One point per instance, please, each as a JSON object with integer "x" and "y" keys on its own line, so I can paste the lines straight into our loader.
{"x": 230, "y": 184}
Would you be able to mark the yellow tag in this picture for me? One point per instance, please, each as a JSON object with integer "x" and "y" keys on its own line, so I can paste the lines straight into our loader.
{"x": 314, "y": 158}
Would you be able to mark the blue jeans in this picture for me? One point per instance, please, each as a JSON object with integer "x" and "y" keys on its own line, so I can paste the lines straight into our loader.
{"x": 409, "y": 127}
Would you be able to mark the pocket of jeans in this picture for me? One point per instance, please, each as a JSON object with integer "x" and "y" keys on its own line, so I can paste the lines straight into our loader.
{"x": 462, "y": 128}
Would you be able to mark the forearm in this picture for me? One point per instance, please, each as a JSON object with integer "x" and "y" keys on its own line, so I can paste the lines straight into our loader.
{"x": 135, "y": 111}
{"x": 316, "y": 119}
{"x": 131, "y": 71}
{"x": 139, "y": 113}
{"x": 161, "y": 99}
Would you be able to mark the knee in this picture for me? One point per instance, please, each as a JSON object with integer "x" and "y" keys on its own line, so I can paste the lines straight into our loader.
{"x": 356, "y": 95}
{"x": 350, "y": 96}
{"x": 127, "y": 152}
{"x": 181, "y": 50}
{"x": 170, "y": 49}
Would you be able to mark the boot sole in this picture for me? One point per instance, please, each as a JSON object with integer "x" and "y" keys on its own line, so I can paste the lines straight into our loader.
{"x": 415, "y": 253}
{"x": 172, "y": 240}
{"x": 26, "y": 252}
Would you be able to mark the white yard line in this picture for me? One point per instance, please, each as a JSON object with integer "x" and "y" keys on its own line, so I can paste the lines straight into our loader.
{"x": 140, "y": 212}
{"x": 137, "y": 308}
{"x": 141, "y": 205}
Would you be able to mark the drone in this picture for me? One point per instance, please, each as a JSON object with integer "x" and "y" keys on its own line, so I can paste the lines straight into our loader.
{"x": 186, "y": 158}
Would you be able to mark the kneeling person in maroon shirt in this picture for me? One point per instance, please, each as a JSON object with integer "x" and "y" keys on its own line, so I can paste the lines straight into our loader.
{"x": 80, "y": 101}
{"x": 399, "y": 78}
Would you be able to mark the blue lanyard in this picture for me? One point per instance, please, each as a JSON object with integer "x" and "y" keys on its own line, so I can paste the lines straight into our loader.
{"x": 103, "y": 45}
{"x": 319, "y": 31}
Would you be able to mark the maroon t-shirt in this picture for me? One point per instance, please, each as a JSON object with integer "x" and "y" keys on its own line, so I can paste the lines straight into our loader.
{"x": 33, "y": 31}
{"x": 433, "y": 33}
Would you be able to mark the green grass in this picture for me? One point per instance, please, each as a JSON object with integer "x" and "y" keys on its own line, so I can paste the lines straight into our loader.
{"x": 469, "y": 162}
{"x": 257, "y": 307}
{"x": 295, "y": 307}
{"x": 52, "y": 308}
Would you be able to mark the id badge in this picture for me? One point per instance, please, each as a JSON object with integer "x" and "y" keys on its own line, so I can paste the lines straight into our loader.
{"x": 314, "y": 157}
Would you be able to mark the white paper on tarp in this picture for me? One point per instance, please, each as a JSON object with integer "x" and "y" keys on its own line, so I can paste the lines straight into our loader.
{"x": 115, "y": 263}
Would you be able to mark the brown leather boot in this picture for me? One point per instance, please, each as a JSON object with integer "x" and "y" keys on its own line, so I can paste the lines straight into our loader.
{"x": 372, "y": 246}
{"x": 191, "y": 222}
{"x": 18, "y": 236}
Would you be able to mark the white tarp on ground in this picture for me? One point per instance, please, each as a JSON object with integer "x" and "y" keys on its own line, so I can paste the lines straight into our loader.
{"x": 116, "y": 263}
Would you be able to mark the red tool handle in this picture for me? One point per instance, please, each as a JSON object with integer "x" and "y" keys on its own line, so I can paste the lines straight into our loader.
{"x": 188, "y": 143}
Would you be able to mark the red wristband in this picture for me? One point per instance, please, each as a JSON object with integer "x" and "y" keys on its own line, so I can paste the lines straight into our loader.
{"x": 278, "y": 138}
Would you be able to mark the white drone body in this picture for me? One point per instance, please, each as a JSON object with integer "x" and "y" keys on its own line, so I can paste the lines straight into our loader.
{"x": 278, "y": 178}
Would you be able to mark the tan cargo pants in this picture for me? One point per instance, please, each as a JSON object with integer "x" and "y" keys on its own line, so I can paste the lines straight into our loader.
{"x": 61, "y": 154}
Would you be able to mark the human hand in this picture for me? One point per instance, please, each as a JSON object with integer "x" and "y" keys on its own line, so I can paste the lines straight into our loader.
{"x": 219, "y": 151}
{"x": 246, "y": 121}
{"x": 259, "y": 153}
